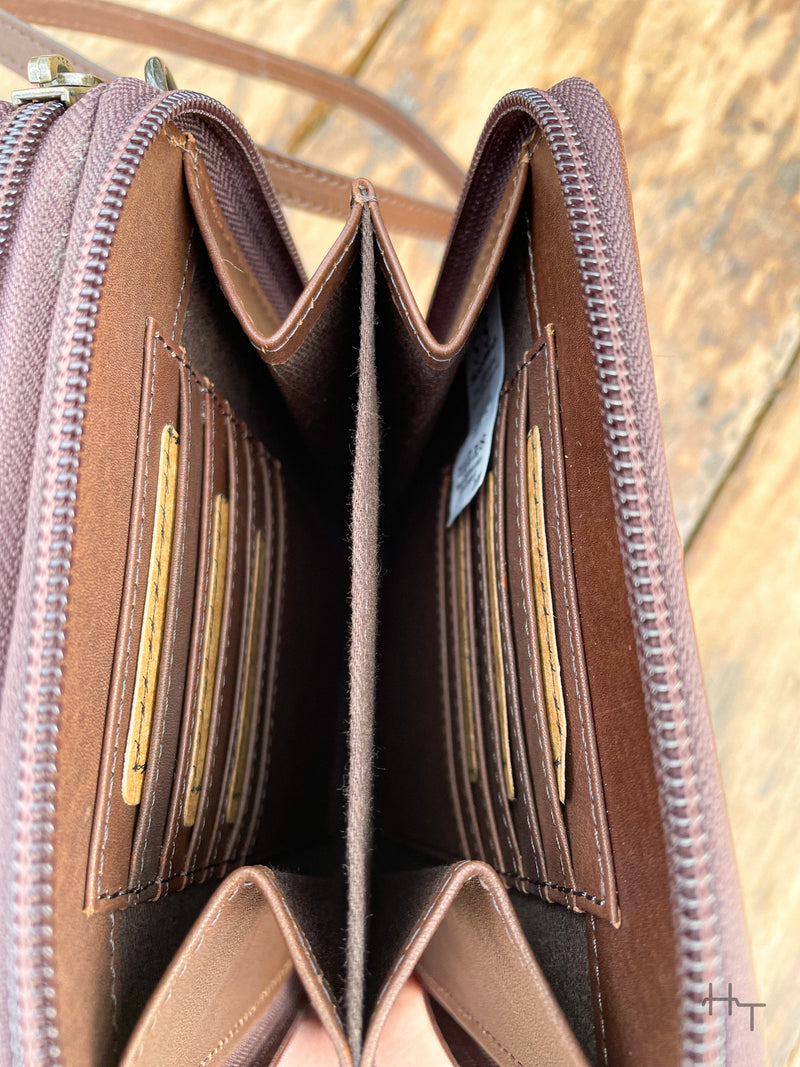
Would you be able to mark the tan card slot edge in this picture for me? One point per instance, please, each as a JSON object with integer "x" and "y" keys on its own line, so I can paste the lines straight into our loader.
{"x": 212, "y": 635}
{"x": 543, "y": 597}
{"x": 496, "y": 641}
{"x": 464, "y": 649}
{"x": 250, "y": 689}
{"x": 152, "y": 635}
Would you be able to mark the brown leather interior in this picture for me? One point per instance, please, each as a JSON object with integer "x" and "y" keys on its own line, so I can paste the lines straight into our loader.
{"x": 433, "y": 721}
{"x": 265, "y": 471}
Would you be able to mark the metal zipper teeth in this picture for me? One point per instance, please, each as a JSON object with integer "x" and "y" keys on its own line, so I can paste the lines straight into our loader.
{"x": 33, "y": 869}
{"x": 702, "y": 1035}
{"x": 18, "y": 148}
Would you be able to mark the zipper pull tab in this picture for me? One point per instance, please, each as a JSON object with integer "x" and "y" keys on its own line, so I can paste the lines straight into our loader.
{"x": 157, "y": 74}
{"x": 54, "y": 79}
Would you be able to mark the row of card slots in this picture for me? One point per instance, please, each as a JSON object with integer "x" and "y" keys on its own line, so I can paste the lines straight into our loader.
{"x": 513, "y": 709}
{"x": 190, "y": 699}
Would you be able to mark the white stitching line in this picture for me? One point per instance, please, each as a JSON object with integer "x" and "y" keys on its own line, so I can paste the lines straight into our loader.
{"x": 185, "y": 444}
{"x": 521, "y": 384}
{"x": 599, "y": 996}
{"x": 401, "y": 958}
{"x": 159, "y": 590}
{"x": 493, "y": 762}
{"x": 456, "y": 716}
{"x": 404, "y": 306}
{"x": 534, "y": 289}
{"x": 114, "y": 1002}
{"x": 260, "y": 475}
{"x": 514, "y": 723}
{"x": 259, "y": 800}
{"x": 195, "y": 944}
{"x": 183, "y": 787}
{"x": 579, "y": 702}
{"x": 444, "y": 683}
{"x": 268, "y": 349}
{"x": 230, "y": 582}
{"x": 121, "y": 706}
{"x": 183, "y": 286}
{"x": 485, "y": 820}
{"x": 238, "y": 713}
{"x": 310, "y": 958}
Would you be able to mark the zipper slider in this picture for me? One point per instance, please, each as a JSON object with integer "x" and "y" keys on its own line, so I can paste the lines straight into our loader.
{"x": 157, "y": 74}
{"x": 54, "y": 79}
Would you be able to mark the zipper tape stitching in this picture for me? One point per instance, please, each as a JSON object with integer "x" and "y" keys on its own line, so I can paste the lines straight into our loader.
{"x": 35, "y": 809}
{"x": 696, "y": 934}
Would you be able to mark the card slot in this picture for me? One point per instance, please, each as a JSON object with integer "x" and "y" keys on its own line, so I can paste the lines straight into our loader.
{"x": 223, "y": 709}
{"x": 151, "y": 638}
{"x": 465, "y": 764}
{"x": 469, "y": 622}
{"x": 271, "y": 475}
{"x": 253, "y": 637}
{"x": 173, "y": 871}
{"x": 532, "y": 702}
{"x": 493, "y": 719}
{"x": 584, "y": 807}
{"x": 211, "y": 658}
{"x": 140, "y": 633}
{"x": 543, "y": 604}
{"x": 153, "y": 810}
{"x": 532, "y": 876}
{"x": 465, "y": 830}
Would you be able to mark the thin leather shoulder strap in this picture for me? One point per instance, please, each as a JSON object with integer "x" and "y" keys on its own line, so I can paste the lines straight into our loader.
{"x": 297, "y": 180}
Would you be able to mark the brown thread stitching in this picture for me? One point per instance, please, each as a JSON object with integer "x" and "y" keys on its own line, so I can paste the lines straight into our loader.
{"x": 568, "y": 613}
{"x": 130, "y": 626}
{"x": 484, "y": 817}
{"x": 262, "y": 996}
{"x": 527, "y": 627}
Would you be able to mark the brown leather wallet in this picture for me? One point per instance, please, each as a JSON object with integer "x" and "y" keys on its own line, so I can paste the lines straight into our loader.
{"x": 346, "y": 660}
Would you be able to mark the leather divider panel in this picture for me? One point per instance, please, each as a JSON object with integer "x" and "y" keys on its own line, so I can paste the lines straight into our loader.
{"x": 472, "y": 958}
{"x": 186, "y": 745}
{"x": 240, "y": 980}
